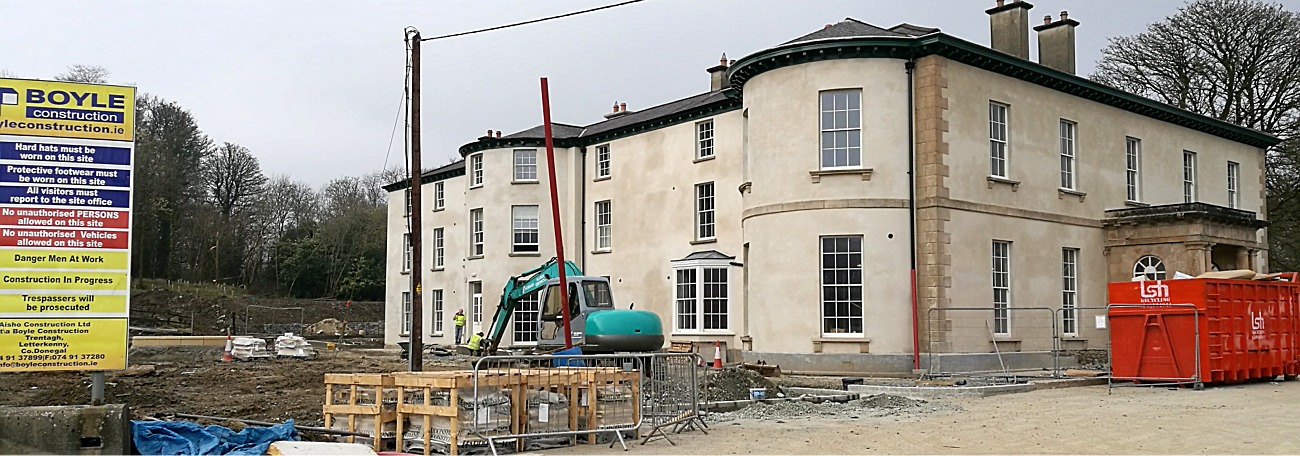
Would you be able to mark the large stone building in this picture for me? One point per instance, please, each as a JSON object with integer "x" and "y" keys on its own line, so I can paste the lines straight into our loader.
{"x": 781, "y": 212}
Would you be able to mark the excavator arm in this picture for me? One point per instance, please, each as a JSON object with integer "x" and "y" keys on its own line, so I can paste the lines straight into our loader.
{"x": 518, "y": 287}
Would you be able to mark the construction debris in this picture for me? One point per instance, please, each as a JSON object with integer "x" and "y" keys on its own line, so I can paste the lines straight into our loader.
{"x": 873, "y": 406}
{"x": 734, "y": 384}
{"x": 328, "y": 327}
{"x": 766, "y": 370}
{"x": 291, "y": 346}
{"x": 249, "y": 348}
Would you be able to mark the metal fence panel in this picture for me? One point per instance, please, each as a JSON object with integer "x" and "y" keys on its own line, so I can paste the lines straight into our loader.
{"x": 993, "y": 340}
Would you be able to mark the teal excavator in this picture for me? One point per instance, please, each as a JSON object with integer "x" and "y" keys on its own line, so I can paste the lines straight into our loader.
{"x": 597, "y": 326}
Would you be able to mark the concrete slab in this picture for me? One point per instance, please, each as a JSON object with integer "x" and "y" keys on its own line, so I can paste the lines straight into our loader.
{"x": 72, "y": 429}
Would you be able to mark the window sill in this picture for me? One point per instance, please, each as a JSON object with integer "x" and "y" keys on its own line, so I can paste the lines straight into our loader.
{"x": 704, "y": 241}
{"x": 1061, "y": 192}
{"x": 720, "y": 332}
{"x": 439, "y": 209}
{"x": 746, "y": 187}
{"x": 864, "y": 343}
{"x": 475, "y": 186}
{"x": 817, "y": 174}
{"x": 704, "y": 159}
{"x": 1015, "y": 184}
{"x": 1136, "y": 204}
{"x": 523, "y": 182}
{"x": 406, "y": 272}
{"x": 474, "y": 257}
{"x": 598, "y": 179}
{"x": 405, "y": 334}
{"x": 602, "y": 251}
{"x": 437, "y": 269}
{"x": 525, "y": 254}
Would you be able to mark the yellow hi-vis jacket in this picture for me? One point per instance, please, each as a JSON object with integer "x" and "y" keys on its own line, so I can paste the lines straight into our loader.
{"x": 474, "y": 341}
{"x": 460, "y": 320}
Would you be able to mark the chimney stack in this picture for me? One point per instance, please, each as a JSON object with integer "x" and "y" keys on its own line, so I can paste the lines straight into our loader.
{"x": 1009, "y": 27}
{"x": 1056, "y": 42}
{"x": 619, "y": 109}
{"x": 718, "y": 75}
{"x": 498, "y": 133}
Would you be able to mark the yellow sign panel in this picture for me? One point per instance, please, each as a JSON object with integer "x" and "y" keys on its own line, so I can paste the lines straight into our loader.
{"x": 64, "y": 259}
{"x": 63, "y": 280}
{"x": 66, "y": 110}
{"x": 53, "y": 304}
{"x": 62, "y": 344}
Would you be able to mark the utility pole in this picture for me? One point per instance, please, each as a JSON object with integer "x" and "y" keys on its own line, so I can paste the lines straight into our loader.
{"x": 416, "y": 353}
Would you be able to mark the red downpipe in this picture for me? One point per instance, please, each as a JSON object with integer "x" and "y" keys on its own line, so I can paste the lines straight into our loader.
{"x": 555, "y": 214}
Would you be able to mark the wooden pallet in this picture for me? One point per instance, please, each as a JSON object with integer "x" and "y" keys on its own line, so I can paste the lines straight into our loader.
{"x": 355, "y": 385}
{"x": 449, "y": 383}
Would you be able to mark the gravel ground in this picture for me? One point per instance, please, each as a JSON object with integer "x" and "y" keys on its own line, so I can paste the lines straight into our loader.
{"x": 874, "y": 406}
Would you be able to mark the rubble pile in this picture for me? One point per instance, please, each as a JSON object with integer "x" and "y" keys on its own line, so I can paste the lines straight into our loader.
{"x": 733, "y": 384}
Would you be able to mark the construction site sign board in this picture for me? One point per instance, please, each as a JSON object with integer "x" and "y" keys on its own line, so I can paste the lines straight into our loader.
{"x": 66, "y": 170}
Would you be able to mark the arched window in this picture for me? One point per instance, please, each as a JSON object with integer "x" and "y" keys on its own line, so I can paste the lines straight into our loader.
{"x": 1149, "y": 268}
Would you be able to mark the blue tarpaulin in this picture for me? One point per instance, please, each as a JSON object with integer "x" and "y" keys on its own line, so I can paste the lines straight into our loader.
{"x": 183, "y": 437}
{"x": 569, "y": 362}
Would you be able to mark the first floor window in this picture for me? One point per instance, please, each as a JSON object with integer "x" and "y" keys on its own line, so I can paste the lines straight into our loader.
{"x": 1001, "y": 287}
{"x": 439, "y": 196}
{"x": 406, "y": 312}
{"x": 1069, "y": 291}
{"x": 1133, "y": 169}
{"x": 438, "y": 249}
{"x": 701, "y": 298}
{"x": 475, "y": 170}
{"x": 841, "y": 129}
{"x": 604, "y": 226}
{"x": 997, "y": 140}
{"x": 435, "y": 297}
{"x": 526, "y": 165}
{"x": 602, "y": 161}
{"x": 527, "y": 318}
{"x": 1234, "y": 196}
{"x": 406, "y": 252}
{"x": 524, "y": 220}
{"x": 1189, "y": 176}
{"x": 704, "y": 222}
{"x": 841, "y": 268}
{"x": 704, "y": 139}
{"x": 1068, "y": 174}
{"x": 476, "y": 232}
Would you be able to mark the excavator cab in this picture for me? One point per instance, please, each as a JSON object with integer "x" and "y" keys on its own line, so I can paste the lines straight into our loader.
{"x": 596, "y": 324}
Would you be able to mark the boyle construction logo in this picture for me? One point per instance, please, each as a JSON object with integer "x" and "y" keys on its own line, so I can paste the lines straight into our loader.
{"x": 66, "y": 110}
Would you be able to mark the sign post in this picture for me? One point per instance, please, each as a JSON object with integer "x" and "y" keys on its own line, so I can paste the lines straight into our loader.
{"x": 66, "y": 173}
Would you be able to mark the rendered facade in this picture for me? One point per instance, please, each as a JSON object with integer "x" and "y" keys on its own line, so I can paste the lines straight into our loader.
{"x": 780, "y": 211}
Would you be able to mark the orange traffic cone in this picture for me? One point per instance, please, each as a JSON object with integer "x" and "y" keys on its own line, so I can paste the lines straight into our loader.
{"x": 717, "y": 354}
{"x": 225, "y": 356}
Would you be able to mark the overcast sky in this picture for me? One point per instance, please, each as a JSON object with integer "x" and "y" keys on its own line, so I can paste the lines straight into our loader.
{"x": 313, "y": 88}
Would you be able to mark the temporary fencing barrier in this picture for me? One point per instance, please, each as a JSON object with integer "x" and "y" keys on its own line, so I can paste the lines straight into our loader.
{"x": 1085, "y": 336}
{"x": 988, "y": 340}
{"x": 673, "y": 394}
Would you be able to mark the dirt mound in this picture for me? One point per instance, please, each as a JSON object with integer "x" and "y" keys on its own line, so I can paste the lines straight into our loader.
{"x": 169, "y": 311}
{"x": 733, "y": 384}
{"x": 887, "y": 401}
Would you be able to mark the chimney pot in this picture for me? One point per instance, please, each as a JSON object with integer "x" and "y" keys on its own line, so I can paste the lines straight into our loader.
{"x": 622, "y": 107}
{"x": 1047, "y": 19}
{"x": 1000, "y": 3}
{"x": 723, "y": 61}
{"x": 732, "y": 62}
{"x": 615, "y": 106}
{"x": 489, "y": 133}
{"x": 498, "y": 133}
{"x": 1065, "y": 15}
{"x": 826, "y": 27}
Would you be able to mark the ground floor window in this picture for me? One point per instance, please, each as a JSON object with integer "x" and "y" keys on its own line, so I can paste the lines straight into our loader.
{"x": 435, "y": 297}
{"x": 701, "y": 292}
{"x": 406, "y": 312}
{"x": 841, "y": 281}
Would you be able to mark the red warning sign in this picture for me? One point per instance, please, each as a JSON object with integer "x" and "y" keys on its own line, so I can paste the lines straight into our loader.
{"x": 45, "y": 237}
{"x": 64, "y": 218}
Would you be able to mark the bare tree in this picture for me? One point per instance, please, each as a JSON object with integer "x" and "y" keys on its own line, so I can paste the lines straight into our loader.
{"x": 1234, "y": 60}
{"x": 5, "y": 73}
{"x": 234, "y": 179}
{"x": 84, "y": 73}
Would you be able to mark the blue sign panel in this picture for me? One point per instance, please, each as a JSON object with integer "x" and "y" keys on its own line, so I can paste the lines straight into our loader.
{"x": 66, "y": 153}
{"x": 62, "y": 175}
{"x": 59, "y": 196}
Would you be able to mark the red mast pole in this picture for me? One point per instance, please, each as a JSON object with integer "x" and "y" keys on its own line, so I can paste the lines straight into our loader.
{"x": 555, "y": 213}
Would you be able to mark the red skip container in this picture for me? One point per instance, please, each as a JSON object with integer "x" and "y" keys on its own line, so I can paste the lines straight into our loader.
{"x": 1241, "y": 329}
